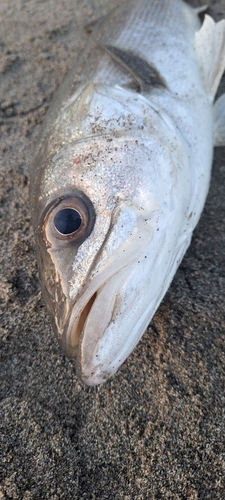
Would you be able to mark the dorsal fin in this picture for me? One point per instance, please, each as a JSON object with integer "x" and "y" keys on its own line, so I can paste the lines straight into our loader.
{"x": 210, "y": 50}
{"x": 143, "y": 73}
{"x": 201, "y": 11}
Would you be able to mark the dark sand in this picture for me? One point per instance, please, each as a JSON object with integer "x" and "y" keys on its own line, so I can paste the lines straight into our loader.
{"x": 156, "y": 429}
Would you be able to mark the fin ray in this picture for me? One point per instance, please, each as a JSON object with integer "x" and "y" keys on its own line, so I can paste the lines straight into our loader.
{"x": 210, "y": 50}
{"x": 143, "y": 73}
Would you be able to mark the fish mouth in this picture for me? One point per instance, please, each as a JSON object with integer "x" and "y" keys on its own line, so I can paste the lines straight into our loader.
{"x": 88, "y": 322}
{"x": 92, "y": 332}
{"x": 78, "y": 327}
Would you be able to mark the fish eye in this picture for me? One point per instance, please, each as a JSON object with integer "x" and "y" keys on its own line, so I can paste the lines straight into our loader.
{"x": 68, "y": 220}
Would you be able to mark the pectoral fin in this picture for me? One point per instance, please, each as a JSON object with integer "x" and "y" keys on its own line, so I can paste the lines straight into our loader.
{"x": 143, "y": 73}
{"x": 210, "y": 50}
{"x": 219, "y": 121}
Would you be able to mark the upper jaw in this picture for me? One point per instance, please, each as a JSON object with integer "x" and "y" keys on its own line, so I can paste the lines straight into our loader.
{"x": 89, "y": 319}
{"x": 96, "y": 311}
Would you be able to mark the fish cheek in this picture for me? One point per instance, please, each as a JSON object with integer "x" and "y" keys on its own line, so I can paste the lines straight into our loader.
{"x": 65, "y": 224}
{"x": 55, "y": 267}
{"x": 48, "y": 277}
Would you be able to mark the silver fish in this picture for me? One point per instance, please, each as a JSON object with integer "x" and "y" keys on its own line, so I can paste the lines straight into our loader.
{"x": 121, "y": 174}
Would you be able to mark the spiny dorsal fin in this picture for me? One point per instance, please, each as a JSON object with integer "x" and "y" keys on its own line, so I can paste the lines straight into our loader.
{"x": 143, "y": 73}
{"x": 210, "y": 50}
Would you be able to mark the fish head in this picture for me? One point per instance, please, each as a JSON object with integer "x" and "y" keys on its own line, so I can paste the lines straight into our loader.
{"x": 100, "y": 221}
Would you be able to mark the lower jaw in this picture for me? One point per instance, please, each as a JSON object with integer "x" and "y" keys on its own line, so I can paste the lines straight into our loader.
{"x": 92, "y": 380}
{"x": 69, "y": 342}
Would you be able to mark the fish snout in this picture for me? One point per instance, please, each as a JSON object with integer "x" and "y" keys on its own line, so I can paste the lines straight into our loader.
{"x": 96, "y": 313}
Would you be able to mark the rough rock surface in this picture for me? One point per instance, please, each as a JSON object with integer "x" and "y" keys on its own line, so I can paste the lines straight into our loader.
{"x": 156, "y": 429}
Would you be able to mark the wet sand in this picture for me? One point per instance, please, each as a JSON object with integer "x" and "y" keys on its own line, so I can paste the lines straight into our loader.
{"x": 156, "y": 429}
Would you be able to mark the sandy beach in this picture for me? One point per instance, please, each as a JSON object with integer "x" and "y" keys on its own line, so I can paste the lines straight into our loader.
{"x": 156, "y": 429}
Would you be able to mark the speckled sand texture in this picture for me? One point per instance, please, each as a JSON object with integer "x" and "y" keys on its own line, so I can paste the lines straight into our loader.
{"x": 156, "y": 429}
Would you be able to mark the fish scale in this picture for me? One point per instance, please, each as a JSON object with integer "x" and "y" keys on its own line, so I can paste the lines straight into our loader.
{"x": 142, "y": 32}
{"x": 145, "y": 15}
{"x": 144, "y": 26}
{"x": 126, "y": 149}
{"x": 139, "y": 23}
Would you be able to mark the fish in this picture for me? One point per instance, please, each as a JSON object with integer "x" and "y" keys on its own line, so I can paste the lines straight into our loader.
{"x": 121, "y": 173}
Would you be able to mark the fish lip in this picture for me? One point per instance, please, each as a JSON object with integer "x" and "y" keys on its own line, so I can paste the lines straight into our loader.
{"x": 88, "y": 369}
{"x": 84, "y": 351}
{"x": 88, "y": 299}
{"x": 94, "y": 378}
{"x": 102, "y": 287}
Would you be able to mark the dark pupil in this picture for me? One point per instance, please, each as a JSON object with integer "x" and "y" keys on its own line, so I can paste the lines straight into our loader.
{"x": 67, "y": 221}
